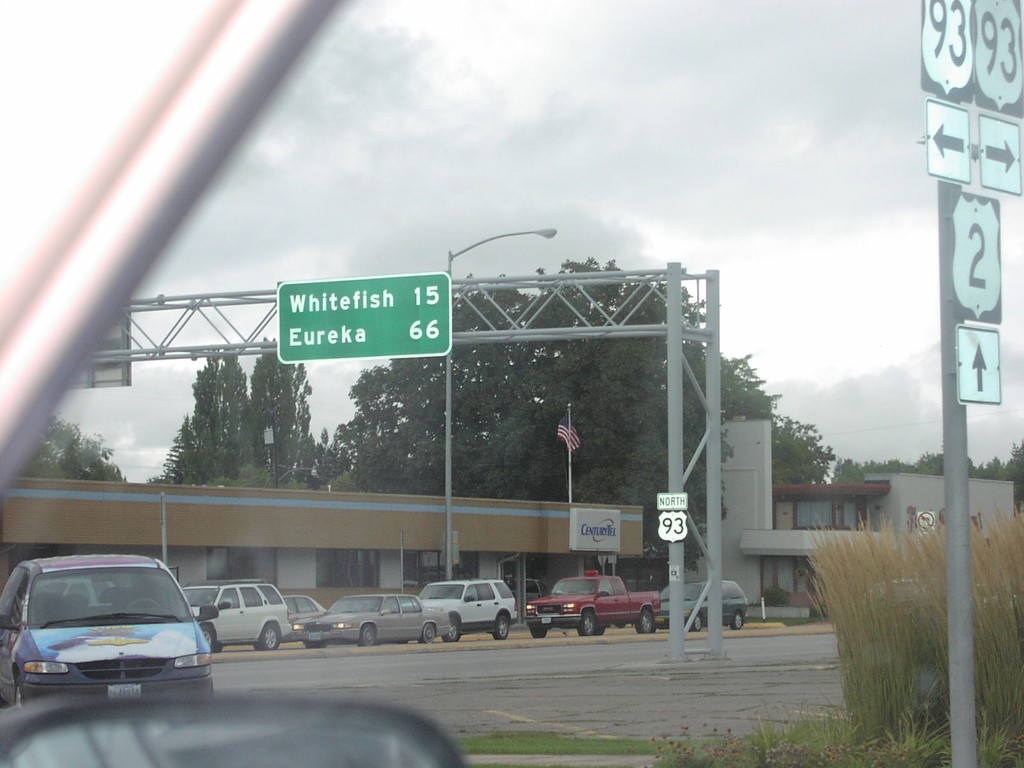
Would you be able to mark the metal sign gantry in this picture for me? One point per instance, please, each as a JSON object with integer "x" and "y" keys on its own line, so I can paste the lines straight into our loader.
{"x": 242, "y": 322}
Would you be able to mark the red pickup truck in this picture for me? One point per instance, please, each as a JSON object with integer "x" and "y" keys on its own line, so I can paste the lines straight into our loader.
{"x": 591, "y": 603}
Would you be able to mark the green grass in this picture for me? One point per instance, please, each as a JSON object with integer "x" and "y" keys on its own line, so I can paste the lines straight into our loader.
{"x": 537, "y": 743}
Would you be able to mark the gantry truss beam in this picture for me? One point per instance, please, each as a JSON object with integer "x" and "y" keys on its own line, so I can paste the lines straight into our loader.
{"x": 243, "y": 322}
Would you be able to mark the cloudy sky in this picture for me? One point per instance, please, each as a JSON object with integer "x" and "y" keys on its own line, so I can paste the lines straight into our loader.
{"x": 776, "y": 142}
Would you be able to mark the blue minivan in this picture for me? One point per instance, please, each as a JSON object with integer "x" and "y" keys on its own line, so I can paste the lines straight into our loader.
{"x": 113, "y": 626}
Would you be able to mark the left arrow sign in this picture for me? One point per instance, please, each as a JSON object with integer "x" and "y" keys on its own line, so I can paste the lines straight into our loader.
{"x": 948, "y": 137}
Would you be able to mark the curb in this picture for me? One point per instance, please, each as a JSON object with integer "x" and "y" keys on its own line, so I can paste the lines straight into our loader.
{"x": 519, "y": 637}
{"x": 591, "y": 761}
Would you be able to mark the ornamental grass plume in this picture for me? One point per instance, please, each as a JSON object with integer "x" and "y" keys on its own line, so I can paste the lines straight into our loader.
{"x": 885, "y": 593}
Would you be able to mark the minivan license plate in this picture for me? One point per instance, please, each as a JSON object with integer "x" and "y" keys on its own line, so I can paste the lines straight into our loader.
{"x": 313, "y": 636}
{"x": 124, "y": 691}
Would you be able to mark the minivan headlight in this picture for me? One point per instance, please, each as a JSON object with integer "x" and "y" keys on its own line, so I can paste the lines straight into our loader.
{"x": 193, "y": 660}
{"x": 46, "y": 667}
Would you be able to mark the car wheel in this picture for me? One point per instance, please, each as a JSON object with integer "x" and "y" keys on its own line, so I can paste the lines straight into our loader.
{"x": 270, "y": 638}
{"x": 737, "y": 620}
{"x": 645, "y": 624}
{"x": 429, "y": 633}
{"x": 588, "y": 624}
{"x": 698, "y": 623}
{"x": 210, "y": 635}
{"x": 501, "y": 626}
{"x": 455, "y": 631}
{"x": 367, "y": 635}
{"x": 538, "y": 632}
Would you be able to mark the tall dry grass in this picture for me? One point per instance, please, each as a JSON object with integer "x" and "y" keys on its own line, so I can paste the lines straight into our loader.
{"x": 886, "y": 595}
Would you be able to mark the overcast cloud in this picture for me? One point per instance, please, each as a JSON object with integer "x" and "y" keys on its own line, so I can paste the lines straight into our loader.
{"x": 776, "y": 142}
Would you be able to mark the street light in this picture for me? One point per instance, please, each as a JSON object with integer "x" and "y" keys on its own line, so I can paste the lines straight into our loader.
{"x": 546, "y": 233}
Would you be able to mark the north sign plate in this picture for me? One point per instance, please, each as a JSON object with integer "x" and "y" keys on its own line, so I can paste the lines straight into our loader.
{"x": 673, "y": 501}
{"x": 392, "y": 316}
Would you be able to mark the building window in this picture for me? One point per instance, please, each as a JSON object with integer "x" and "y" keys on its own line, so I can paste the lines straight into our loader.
{"x": 468, "y": 566}
{"x": 241, "y": 563}
{"x": 347, "y": 568}
{"x": 814, "y": 514}
{"x": 850, "y": 517}
{"x": 421, "y": 567}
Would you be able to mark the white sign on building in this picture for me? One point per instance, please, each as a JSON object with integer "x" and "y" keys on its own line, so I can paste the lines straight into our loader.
{"x": 595, "y": 530}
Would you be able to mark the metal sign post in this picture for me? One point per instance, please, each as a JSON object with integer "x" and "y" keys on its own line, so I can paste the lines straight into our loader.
{"x": 960, "y": 622}
{"x": 970, "y": 53}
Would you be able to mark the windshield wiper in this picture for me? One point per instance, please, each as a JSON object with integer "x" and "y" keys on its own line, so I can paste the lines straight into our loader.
{"x": 113, "y": 618}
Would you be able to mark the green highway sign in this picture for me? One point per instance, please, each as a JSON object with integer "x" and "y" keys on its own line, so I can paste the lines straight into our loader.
{"x": 392, "y": 316}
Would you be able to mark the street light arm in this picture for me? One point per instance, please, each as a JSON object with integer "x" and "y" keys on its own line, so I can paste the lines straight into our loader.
{"x": 448, "y": 543}
{"x": 548, "y": 233}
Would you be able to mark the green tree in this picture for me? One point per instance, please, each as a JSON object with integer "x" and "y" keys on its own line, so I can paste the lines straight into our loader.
{"x": 743, "y": 394}
{"x": 65, "y": 453}
{"x": 395, "y": 440}
{"x": 224, "y": 442}
{"x": 279, "y": 403}
{"x": 797, "y": 453}
{"x": 508, "y": 399}
{"x": 214, "y": 442}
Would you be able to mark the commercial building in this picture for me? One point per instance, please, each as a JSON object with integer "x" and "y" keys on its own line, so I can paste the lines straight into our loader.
{"x": 770, "y": 531}
{"x": 319, "y": 543}
{"x": 327, "y": 544}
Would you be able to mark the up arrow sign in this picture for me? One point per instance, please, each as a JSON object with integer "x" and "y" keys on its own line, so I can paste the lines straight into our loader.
{"x": 948, "y": 141}
{"x": 977, "y": 357}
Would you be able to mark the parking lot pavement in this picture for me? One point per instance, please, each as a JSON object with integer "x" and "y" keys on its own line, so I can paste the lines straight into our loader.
{"x": 518, "y": 636}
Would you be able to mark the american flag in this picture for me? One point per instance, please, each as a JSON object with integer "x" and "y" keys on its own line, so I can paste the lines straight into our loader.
{"x": 568, "y": 435}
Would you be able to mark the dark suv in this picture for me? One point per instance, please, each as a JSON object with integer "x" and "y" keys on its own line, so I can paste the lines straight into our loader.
{"x": 734, "y": 606}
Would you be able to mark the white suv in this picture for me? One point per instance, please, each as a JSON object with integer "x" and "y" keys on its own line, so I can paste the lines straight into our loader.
{"x": 474, "y": 605}
{"x": 251, "y": 612}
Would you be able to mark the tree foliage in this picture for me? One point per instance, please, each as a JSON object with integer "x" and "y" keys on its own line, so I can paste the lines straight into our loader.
{"x": 66, "y": 454}
{"x": 508, "y": 399}
{"x": 797, "y": 453}
{"x": 254, "y": 432}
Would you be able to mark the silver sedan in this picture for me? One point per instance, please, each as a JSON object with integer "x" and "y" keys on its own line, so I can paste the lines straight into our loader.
{"x": 372, "y": 619}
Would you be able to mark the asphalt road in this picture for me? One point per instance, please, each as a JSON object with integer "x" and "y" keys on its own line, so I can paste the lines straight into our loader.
{"x": 620, "y": 684}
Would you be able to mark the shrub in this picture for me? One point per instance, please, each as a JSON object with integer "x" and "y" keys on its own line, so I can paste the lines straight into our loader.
{"x": 775, "y": 597}
{"x": 886, "y": 596}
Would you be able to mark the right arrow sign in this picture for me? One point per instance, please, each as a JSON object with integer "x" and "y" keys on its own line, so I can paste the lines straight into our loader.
{"x": 999, "y": 148}
{"x": 977, "y": 356}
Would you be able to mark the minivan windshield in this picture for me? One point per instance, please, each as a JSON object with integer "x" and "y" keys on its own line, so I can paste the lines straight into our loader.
{"x": 105, "y": 596}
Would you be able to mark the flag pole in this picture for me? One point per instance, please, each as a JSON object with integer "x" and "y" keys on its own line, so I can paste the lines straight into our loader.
{"x": 569, "y": 447}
